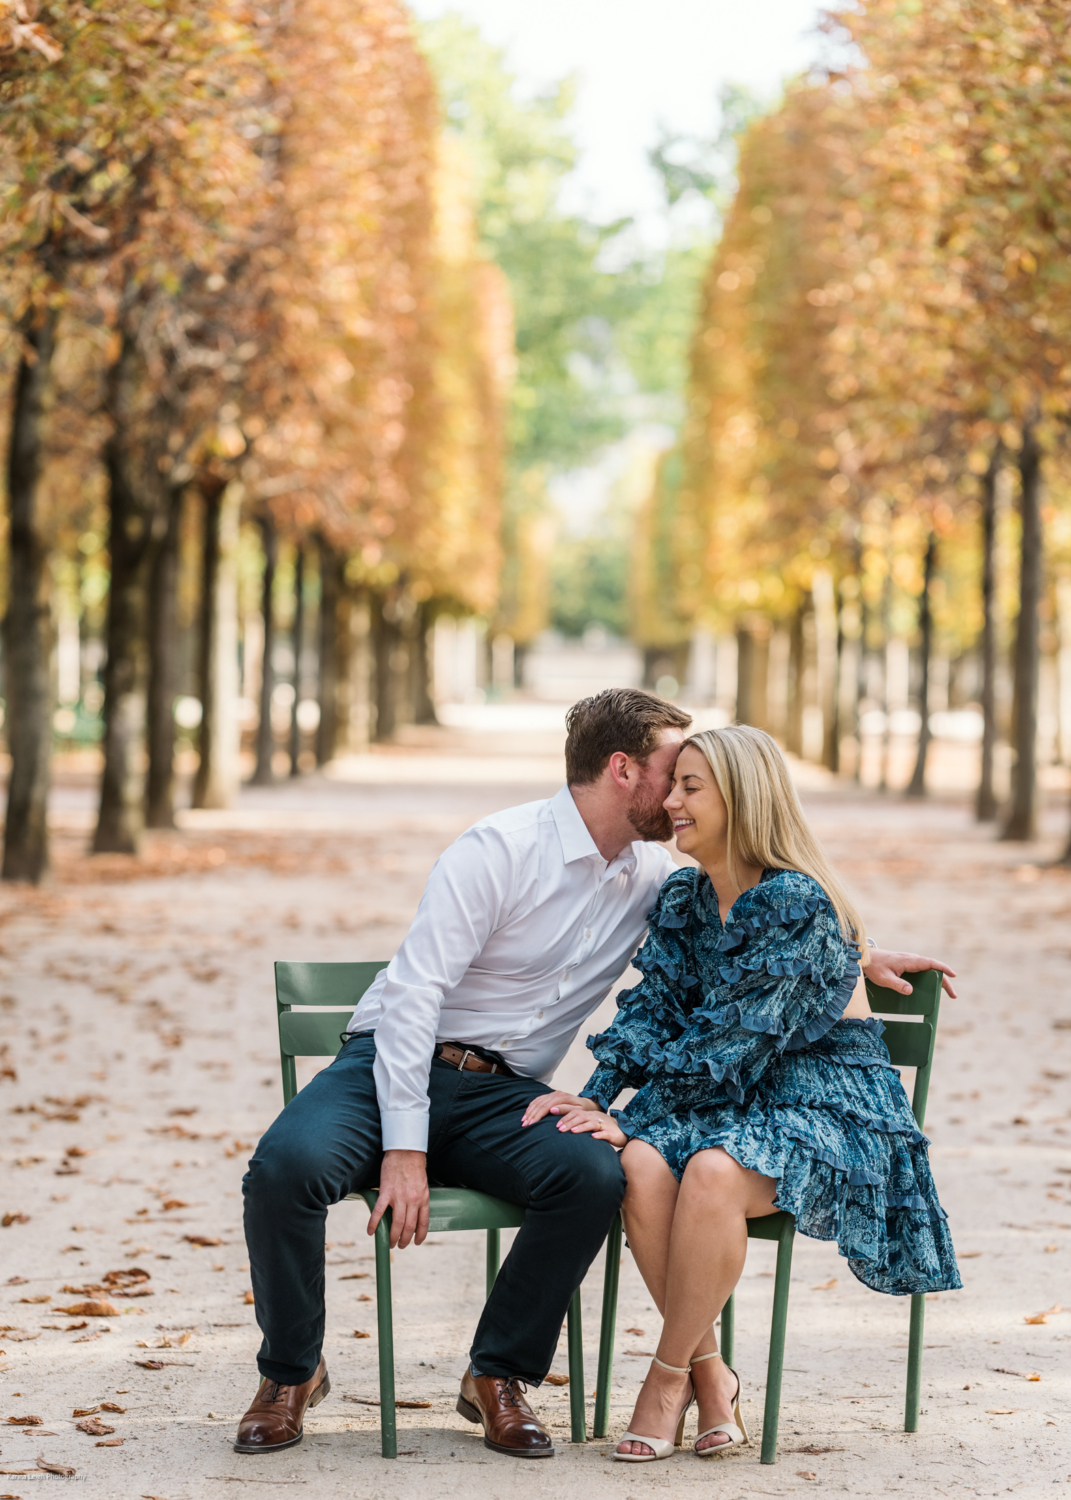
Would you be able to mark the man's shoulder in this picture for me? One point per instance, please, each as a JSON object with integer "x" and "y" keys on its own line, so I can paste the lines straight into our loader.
{"x": 512, "y": 822}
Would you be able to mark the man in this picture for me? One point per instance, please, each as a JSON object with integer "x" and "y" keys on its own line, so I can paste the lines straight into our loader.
{"x": 526, "y": 922}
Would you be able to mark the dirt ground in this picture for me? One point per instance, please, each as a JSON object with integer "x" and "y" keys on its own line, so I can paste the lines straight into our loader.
{"x": 139, "y": 1066}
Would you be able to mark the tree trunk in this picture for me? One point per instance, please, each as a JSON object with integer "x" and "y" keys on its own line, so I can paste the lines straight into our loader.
{"x": 831, "y": 739}
{"x": 388, "y": 645}
{"x": 330, "y": 579}
{"x": 263, "y": 775}
{"x": 216, "y": 781}
{"x": 299, "y": 645}
{"x": 986, "y": 804}
{"x": 27, "y": 625}
{"x": 917, "y": 785}
{"x": 420, "y": 667}
{"x": 163, "y": 670}
{"x": 132, "y": 515}
{"x": 796, "y": 671}
{"x": 1022, "y": 816}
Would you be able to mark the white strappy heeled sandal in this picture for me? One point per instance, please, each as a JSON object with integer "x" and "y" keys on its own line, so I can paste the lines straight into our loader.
{"x": 660, "y": 1448}
{"x": 735, "y": 1430}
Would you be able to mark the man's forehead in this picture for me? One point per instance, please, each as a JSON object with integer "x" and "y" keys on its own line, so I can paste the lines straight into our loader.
{"x": 671, "y": 738}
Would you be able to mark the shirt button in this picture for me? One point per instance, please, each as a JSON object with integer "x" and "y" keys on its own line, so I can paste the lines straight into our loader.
{"x": 566, "y": 974}
{"x": 540, "y": 1016}
{"x": 587, "y": 932}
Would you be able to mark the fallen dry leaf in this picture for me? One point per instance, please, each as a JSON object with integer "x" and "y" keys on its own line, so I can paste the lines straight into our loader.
{"x": 171, "y": 1203}
{"x": 1022, "y": 1374}
{"x": 15, "y": 1218}
{"x": 248, "y": 1299}
{"x": 19, "y": 1335}
{"x": 355, "y": 1276}
{"x": 359, "y": 1333}
{"x": 85, "y": 1411}
{"x": 202, "y": 1240}
{"x": 805, "y": 1474}
{"x": 76, "y": 1327}
{"x": 95, "y": 1428}
{"x": 1043, "y": 1317}
{"x": 1001, "y": 1411}
{"x": 24, "y": 1421}
{"x": 813, "y": 1449}
{"x": 63, "y": 1470}
{"x": 17, "y": 1280}
{"x": 43, "y": 1297}
{"x": 639, "y": 1332}
{"x": 110, "y": 1443}
{"x": 557, "y": 1379}
{"x": 1051, "y": 1249}
{"x": 88, "y": 1338}
{"x": 825, "y": 1286}
{"x": 640, "y": 1353}
{"x": 77, "y": 1151}
{"x": 128, "y": 1275}
{"x": 112, "y": 1406}
{"x": 95, "y": 1308}
{"x": 968, "y": 1254}
{"x": 150, "y": 1364}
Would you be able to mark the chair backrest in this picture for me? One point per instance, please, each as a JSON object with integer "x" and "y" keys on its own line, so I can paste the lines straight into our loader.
{"x": 911, "y": 1043}
{"x": 334, "y": 989}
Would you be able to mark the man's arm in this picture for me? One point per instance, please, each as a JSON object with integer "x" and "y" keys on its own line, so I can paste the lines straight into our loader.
{"x": 885, "y": 969}
{"x": 460, "y": 907}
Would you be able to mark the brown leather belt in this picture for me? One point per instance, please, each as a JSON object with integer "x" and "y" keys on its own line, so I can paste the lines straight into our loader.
{"x": 465, "y": 1060}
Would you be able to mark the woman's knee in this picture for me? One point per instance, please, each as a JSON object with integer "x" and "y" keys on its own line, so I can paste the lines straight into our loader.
{"x": 715, "y": 1171}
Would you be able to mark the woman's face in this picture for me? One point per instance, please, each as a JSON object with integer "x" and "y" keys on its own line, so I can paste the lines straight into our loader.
{"x": 697, "y": 808}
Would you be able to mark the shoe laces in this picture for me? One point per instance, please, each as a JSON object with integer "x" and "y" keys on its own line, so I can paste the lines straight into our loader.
{"x": 510, "y": 1384}
{"x": 272, "y": 1391}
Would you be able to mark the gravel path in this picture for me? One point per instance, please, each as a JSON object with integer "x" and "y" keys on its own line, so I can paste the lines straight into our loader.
{"x": 139, "y": 1066}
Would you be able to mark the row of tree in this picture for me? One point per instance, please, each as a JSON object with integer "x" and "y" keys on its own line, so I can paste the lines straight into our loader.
{"x": 884, "y": 332}
{"x": 241, "y": 276}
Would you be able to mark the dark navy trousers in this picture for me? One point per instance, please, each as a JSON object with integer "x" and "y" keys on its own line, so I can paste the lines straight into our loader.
{"x": 327, "y": 1143}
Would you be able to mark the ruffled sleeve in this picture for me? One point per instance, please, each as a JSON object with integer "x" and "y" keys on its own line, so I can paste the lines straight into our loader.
{"x": 657, "y": 1007}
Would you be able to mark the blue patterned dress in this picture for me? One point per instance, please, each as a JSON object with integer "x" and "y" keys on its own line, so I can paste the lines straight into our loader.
{"x": 734, "y": 1039}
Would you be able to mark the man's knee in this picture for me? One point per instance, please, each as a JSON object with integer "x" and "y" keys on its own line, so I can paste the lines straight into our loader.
{"x": 286, "y": 1165}
{"x": 589, "y": 1172}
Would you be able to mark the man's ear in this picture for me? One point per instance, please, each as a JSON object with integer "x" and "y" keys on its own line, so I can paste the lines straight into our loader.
{"x": 619, "y": 766}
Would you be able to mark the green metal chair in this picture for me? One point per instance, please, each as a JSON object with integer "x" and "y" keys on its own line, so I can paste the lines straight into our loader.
{"x": 911, "y": 1045}
{"x": 334, "y": 989}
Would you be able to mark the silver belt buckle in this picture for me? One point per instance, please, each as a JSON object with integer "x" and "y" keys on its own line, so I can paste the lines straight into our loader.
{"x": 464, "y": 1059}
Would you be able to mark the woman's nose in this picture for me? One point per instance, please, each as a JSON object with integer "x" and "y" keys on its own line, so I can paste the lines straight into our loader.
{"x": 671, "y": 802}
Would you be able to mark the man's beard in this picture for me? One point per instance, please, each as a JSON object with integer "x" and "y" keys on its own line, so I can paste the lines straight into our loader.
{"x": 648, "y": 816}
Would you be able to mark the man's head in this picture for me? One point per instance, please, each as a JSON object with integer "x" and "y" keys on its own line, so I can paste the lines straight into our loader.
{"x": 628, "y": 741}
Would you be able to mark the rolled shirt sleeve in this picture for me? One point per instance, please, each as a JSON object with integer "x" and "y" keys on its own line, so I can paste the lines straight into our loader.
{"x": 467, "y": 892}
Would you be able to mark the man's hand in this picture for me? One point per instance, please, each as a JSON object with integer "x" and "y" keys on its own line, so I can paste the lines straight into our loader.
{"x": 554, "y": 1104}
{"x": 403, "y": 1188}
{"x": 885, "y": 969}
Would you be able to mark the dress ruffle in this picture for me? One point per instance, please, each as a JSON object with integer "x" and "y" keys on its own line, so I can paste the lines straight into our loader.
{"x": 762, "y": 1065}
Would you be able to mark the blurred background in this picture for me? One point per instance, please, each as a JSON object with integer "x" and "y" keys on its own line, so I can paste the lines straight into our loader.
{"x": 373, "y": 373}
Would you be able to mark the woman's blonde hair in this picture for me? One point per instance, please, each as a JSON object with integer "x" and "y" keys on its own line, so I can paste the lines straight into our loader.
{"x": 767, "y": 826}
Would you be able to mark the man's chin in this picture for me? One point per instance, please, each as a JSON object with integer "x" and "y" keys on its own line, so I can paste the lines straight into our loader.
{"x": 651, "y": 831}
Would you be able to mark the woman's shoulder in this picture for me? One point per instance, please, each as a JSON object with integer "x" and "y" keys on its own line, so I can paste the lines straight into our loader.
{"x": 676, "y": 897}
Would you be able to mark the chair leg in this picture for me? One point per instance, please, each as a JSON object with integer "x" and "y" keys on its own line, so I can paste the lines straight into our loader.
{"x": 727, "y": 1340}
{"x": 494, "y": 1256}
{"x": 388, "y": 1429}
{"x": 776, "y": 1365}
{"x": 577, "y": 1404}
{"x": 914, "y": 1364}
{"x": 610, "y": 1281}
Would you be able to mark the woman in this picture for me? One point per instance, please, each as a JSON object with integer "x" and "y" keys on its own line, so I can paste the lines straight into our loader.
{"x": 762, "y": 1080}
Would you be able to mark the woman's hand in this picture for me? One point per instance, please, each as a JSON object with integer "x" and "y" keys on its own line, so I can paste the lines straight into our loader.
{"x": 593, "y": 1122}
{"x": 554, "y": 1104}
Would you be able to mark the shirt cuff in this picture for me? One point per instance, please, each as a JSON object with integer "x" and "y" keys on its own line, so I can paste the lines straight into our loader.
{"x": 405, "y": 1130}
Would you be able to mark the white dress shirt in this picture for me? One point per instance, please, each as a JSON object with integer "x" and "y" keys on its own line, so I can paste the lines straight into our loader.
{"x": 522, "y": 929}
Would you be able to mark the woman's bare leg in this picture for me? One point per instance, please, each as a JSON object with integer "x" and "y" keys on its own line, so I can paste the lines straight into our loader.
{"x": 707, "y": 1250}
{"x": 650, "y": 1198}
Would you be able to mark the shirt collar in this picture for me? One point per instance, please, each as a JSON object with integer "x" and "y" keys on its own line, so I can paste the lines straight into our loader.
{"x": 577, "y": 842}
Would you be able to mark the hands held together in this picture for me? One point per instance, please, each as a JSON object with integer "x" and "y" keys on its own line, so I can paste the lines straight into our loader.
{"x": 576, "y": 1115}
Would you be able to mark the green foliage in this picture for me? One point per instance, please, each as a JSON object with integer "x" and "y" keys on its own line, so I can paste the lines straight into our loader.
{"x": 565, "y": 303}
{"x": 589, "y": 580}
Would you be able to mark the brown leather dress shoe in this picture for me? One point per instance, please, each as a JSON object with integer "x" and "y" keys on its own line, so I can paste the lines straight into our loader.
{"x": 274, "y": 1420}
{"x": 509, "y": 1423}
